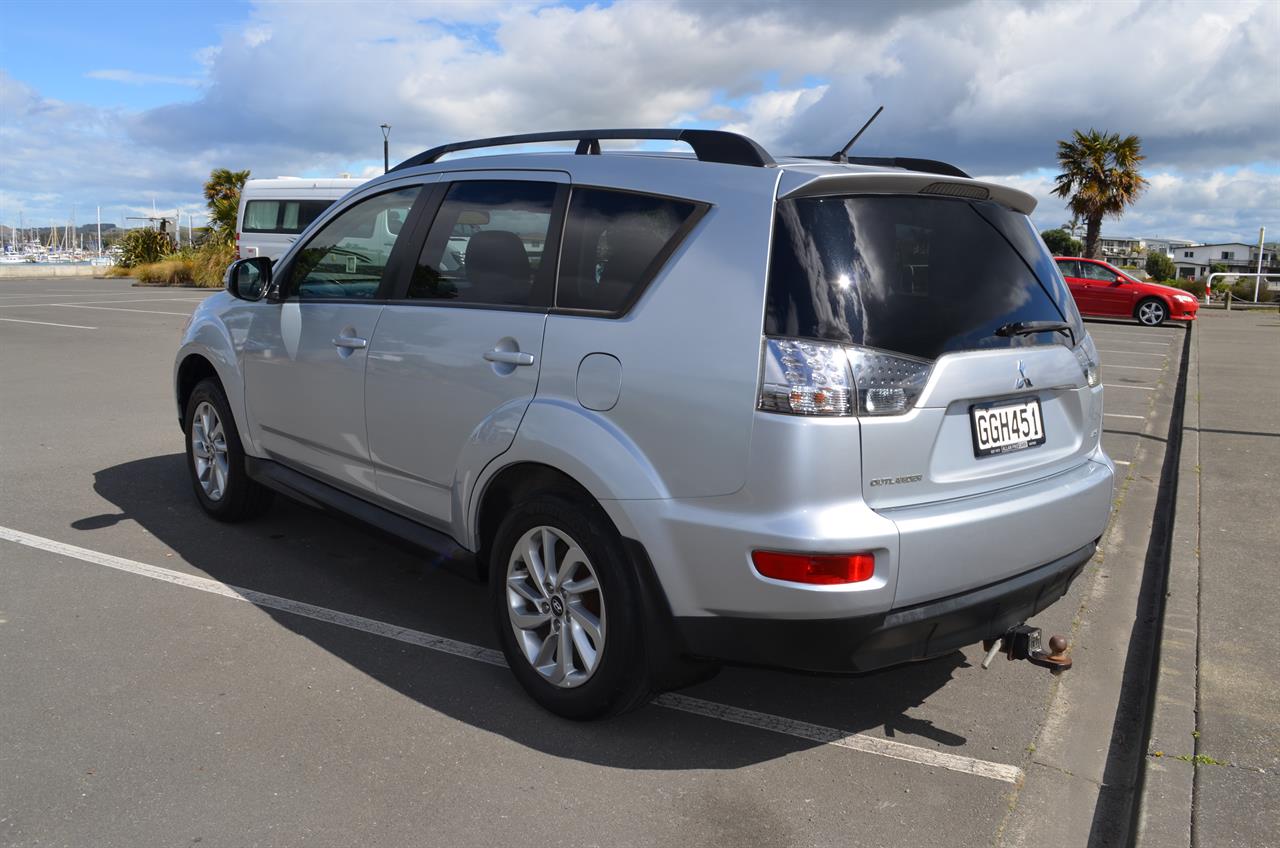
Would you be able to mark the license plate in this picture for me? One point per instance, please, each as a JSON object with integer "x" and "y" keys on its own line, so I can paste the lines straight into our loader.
{"x": 1006, "y": 427}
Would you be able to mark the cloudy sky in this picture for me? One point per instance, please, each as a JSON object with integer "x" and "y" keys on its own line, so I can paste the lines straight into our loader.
{"x": 119, "y": 104}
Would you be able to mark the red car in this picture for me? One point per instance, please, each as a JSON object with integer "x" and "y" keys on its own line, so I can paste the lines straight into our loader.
{"x": 1100, "y": 289}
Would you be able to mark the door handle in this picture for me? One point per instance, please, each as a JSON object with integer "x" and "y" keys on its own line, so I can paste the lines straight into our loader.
{"x": 350, "y": 342}
{"x": 509, "y": 357}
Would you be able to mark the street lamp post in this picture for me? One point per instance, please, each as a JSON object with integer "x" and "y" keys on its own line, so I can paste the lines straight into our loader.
{"x": 386, "y": 150}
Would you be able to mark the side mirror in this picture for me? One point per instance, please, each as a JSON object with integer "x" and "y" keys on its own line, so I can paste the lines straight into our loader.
{"x": 248, "y": 279}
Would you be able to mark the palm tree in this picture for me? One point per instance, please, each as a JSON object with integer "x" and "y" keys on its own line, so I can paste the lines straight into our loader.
{"x": 1100, "y": 176}
{"x": 222, "y": 192}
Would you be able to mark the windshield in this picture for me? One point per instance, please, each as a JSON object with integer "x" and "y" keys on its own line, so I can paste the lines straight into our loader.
{"x": 914, "y": 275}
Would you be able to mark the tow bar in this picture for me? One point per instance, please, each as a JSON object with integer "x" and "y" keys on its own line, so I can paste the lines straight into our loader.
{"x": 1023, "y": 642}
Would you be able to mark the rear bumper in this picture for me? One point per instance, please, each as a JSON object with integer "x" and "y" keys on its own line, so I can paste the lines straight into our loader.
{"x": 868, "y": 642}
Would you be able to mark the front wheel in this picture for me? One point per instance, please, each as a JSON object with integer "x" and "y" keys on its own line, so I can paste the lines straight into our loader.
{"x": 1152, "y": 312}
{"x": 567, "y": 609}
{"x": 215, "y": 458}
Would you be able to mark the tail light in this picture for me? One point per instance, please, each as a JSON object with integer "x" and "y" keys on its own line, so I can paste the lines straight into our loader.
{"x": 820, "y": 378}
{"x": 237, "y": 244}
{"x": 816, "y": 569}
{"x": 1087, "y": 355}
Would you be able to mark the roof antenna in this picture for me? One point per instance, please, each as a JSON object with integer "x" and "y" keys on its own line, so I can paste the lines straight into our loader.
{"x": 842, "y": 155}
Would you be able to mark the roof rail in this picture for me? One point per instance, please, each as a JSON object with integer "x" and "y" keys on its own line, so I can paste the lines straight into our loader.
{"x": 910, "y": 163}
{"x": 708, "y": 145}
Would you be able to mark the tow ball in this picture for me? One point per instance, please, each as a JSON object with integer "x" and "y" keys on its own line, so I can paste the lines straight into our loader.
{"x": 1023, "y": 642}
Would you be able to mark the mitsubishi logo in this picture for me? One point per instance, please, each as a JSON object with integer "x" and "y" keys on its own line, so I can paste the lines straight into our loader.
{"x": 1023, "y": 381}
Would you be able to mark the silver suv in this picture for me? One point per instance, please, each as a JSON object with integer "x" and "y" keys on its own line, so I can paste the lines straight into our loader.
{"x": 678, "y": 409}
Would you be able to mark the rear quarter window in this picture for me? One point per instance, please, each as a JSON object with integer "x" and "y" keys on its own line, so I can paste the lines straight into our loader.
{"x": 615, "y": 242}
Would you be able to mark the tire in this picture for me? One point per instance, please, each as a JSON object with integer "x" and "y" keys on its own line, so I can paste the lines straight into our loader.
{"x": 579, "y": 653}
{"x": 215, "y": 458}
{"x": 1151, "y": 312}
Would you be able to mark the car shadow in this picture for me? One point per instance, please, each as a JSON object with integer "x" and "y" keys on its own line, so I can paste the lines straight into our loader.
{"x": 301, "y": 554}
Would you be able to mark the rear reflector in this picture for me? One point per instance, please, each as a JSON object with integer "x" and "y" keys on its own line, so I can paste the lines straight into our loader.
{"x": 820, "y": 569}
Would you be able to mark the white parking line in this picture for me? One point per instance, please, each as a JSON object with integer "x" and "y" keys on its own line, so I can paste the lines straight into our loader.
{"x": 1120, "y": 461}
{"x": 48, "y": 324}
{"x": 1149, "y": 344}
{"x": 1122, "y": 386}
{"x": 122, "y": 309}
{"x": 1133, "y": 353}
{"x": 1118, "y": 415}
{"x": 91, "y": 302}
{"x": 683, "y": 703}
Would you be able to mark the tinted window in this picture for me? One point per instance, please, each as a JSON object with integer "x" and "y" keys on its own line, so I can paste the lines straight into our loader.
{"x": 281, "y": 216}
{"x": 486, "y": 245}
{"x": 1090, "y": 271}
{"x": 921, "y": 276}
{"x": 614, "y": 243}
{"x": 350, "y": 253}
{"x": 1069, "y": 269}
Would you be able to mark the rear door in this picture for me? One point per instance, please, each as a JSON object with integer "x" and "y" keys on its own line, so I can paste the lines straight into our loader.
{"x": 454, "y": 362}
{"x": 934, "y": 280}
{"x": 1077, "y": 285}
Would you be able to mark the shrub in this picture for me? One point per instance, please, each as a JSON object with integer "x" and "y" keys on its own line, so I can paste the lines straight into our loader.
{"x": 1161, "y": 267}
{"x": 211, "y": 260}
{"x": 170, "y": 272}
{"x": 1060, "y": 243}
{"x": 1242, "y": 289}
{"x": 142, "y": 246}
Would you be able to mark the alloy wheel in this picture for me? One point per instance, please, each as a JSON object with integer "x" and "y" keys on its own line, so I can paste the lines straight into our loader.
{"x": 556, "y": 606}
{"x": 1151, "y": 313}
{"x": 209, "y": 451}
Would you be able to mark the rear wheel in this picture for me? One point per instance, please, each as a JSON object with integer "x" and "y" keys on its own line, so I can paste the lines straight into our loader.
{"x": 567, "y": 609}
{"x": 1151, "y": 312}
{"x": 215, "y": 458}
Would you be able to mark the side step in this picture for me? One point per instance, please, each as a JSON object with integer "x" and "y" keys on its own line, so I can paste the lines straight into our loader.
{"x": 441, "y": 547}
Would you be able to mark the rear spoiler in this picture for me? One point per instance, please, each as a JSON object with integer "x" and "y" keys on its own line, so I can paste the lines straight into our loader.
{"x": 801, "y": 182}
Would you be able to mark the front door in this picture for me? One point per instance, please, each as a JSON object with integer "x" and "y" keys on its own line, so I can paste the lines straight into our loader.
{"x": 454, "y": 362}
{"x": 1105, "y": 294}
{"x": 305, "y": 356}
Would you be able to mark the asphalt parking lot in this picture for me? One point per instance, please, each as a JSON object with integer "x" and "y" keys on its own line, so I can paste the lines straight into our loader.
{"x": 170, "y": 680}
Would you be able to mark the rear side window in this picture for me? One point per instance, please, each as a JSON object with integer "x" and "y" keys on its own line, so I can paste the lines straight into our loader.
{"x": 486, "y": 245}
{"x": 281, "y": 216}
{"x": 913, "y": 275}
{"x": 614, "y": 243}
{"x": 1069, "y": 268}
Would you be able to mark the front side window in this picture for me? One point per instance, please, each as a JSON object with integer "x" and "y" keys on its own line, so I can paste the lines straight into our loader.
{"x": 614, "y": 242}
{"x": 349, "y": 255}
{"x": 486, "y": 245}
{"x": 1091, "y": 271}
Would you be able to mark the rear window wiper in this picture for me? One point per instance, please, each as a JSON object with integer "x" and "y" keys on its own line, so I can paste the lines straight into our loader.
{"x": 1026, "y": 328}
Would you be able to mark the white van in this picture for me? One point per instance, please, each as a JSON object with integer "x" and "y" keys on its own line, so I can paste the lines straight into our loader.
{"x": 274, "y": 212}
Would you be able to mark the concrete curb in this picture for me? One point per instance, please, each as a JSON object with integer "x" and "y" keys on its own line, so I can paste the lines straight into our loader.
{"x": 1164, "y": 817}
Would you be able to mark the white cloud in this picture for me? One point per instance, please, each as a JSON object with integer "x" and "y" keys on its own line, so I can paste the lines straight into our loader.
{"x": 139, "y": 78}
{"x": 991, "y": 86}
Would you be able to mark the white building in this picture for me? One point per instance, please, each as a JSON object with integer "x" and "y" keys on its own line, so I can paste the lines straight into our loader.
{"x": 1167, "y": 246}
{"x": 1196, "y": 260}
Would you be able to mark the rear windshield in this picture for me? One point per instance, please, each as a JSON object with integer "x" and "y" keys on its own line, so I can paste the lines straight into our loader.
{"x": 914, "y": 275}
{"x": 281, "y": 216}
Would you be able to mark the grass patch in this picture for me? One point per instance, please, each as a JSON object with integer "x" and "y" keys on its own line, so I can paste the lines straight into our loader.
{"x": 203, "y": 267}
